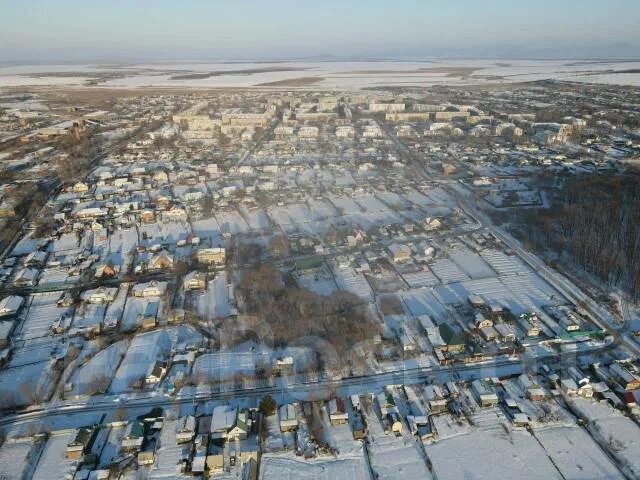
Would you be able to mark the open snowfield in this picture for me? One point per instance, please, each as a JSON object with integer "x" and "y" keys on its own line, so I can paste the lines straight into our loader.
{"x": 290, "y": 467}
{"x": 619, "y": 433}
{"x": 576, "y": 455}
{"x": 331, "y": 75}
{"x": 486, "y": 454}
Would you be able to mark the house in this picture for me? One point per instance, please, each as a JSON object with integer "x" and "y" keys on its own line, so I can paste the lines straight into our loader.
{"x": 150, "y": 314}
{"x": 99, "y": 295}
{"x": 81, "y": 443}
{"x": 161, "y": 261}
{"x": 186, "y": 429}
{"x": 10, "y": 305}
{"x": 195, "y": 281}
{"x": 358, "y": 428}
{"x": 228, "y": 423}
{"x": 27, "y": 277}
{"x": 7, "y": 209}
{"x": 107, "y": 270}
{"x": 148, "y": 216}
{"x": 628, "y": 379}
{"x": 337, "y": 412}
{"x": 149, "y": 289}
{"x": 146, "y": 457}
{"x": 35, "y": 259}
{"x": 394, "y": 421}
{"x": 481, "y": 321}
{"x": 133, "y": 437}
{"x": 453, "y": 341}
{"x": 241, "y": 426}
{"x": 80, "y": 187}
{"x": 288, "y": 419}
{"x": 211, "y": 256}
{"x": 484, "y": 392}
{"x": 569, "y": 386}
{"x": 399, "y": 253}
{"x": 155, "y": 373}
{"x": 506, "y": 332}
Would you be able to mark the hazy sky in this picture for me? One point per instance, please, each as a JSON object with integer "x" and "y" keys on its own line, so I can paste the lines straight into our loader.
{"x": 227, "y": 29}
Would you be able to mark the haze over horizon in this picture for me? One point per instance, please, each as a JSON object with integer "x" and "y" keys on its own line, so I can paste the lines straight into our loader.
{"x": 74, "y": 31}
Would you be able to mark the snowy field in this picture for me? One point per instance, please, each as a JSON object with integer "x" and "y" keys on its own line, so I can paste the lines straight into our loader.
{"x": 619, "y": 433}
{"x": 491, "y": 454}
{"x": 576, "y": 455}
{"x": 331, "y": 75}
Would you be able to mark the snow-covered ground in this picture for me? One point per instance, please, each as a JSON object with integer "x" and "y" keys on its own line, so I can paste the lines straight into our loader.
{"x": 332, "y": 75}
{"x": 98, "y": 370}
{"x": 617, "y": 433}
{"x": 576, "y": 455}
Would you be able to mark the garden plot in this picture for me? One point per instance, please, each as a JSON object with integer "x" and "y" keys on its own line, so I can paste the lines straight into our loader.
{"x": 256, "y": 219}
{"x": 169, "y": 454}
{"x": 15, "y": 459}
{"x": 504, "y": 264}
{"x": 423, "y": 302}
{"x": 344, "y": 179}
{"x": 57, "y": 277}
{"x": 111, "y": 449}
{"x": 519, "y": 294}
{"x": 231, "y": 223}
{"x": 346, "y": 205}
{"x": 420, "y": 278}
{"x": 369, "y": 203}
{"x": 163, "y": 233}
{"x": 277, "y": 467}
{"x": 393, "y": 457}
{"x": 27, "y": 384}
{"x": 88, "y": 317}
{"x": 41, "y": 314}
{"x": 617, "y": 433}
{"x": 207, "y": 229}
{"x": 276, "y": 441}
{"x": 224, "y": 365}
{"x": 144, "y": 350}
{"x": 321, "y": 209}
{"x": 576, "y": 455}
{"x": 33, "y": 351}
{"x": 115, "y": 309}
{"x": 122, "y": 244}
{"x": 348, "y": 280}
{"x": 439, "y": 197}
{"x": 393, "y": 200}
{"x": 543, "y": 414}
{"x": 416, "y": 198}
{"x": 96, "y": 373}
{"x": 322, "y": 284}
{"x": 135, "y": 309}
{"x": 214, "y": 302}
{"x": 280, "y": 216}
{"x": 52, "y": 462}
{"x": 490, "y": 453}
{"x": 447, "y": 271}
{"x": 68, "y": 245}
{"x": 472, "y": 264}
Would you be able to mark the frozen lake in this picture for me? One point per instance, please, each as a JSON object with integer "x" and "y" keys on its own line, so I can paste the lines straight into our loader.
{"x": 322, "y": 75}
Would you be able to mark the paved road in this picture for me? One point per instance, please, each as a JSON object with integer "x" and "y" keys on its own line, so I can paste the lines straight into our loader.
{"x": 280, "y": 390}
